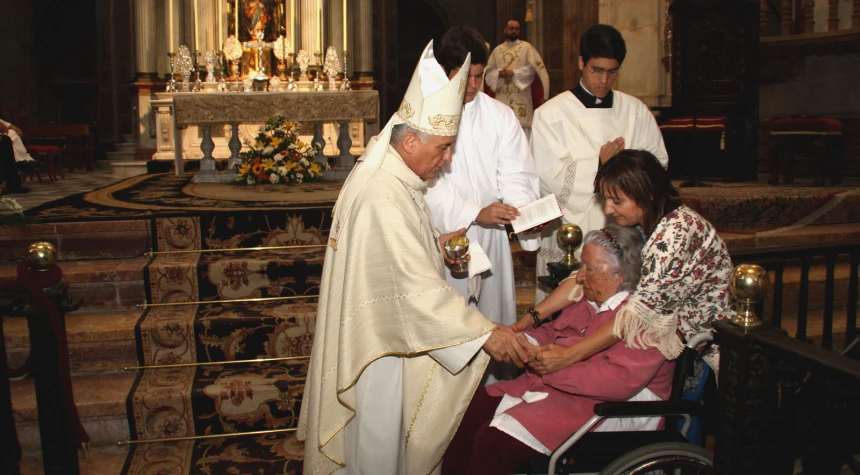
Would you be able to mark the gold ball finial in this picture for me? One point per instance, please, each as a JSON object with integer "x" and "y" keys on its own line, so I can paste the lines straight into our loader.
{"x": 569, "y": 237}
{"x": 748, "y": 284}
{"x": 41, "y": 255}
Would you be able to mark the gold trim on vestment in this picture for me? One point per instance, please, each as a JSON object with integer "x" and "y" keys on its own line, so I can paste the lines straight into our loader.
{"x": 352, "y": 383}
{"x": 265, "y": 248}
{"x": 258, "y": 299}
{"x": 420, "y": 403}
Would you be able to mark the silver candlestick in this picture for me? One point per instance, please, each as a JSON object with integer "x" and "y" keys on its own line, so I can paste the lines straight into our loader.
{"x": 171, "y": 83}
{"x": 344, "y": 85}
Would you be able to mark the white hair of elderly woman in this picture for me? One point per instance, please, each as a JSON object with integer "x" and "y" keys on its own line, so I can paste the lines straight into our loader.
{"x": 623, "y": 246}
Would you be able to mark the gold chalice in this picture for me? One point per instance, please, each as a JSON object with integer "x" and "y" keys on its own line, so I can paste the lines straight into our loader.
{"x": 457, "y": 247}
{"x": 748, "y": 284}
{"x": 42, "y": 256}
{"x": 569, "y": 237}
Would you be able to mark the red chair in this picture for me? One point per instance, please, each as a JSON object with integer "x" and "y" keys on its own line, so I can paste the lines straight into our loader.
{"x": 51, "y": 155}
{"x": 817, "y": 138}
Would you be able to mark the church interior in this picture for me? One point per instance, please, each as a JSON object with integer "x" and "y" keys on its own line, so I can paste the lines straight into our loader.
{"x": 178, "y": 332}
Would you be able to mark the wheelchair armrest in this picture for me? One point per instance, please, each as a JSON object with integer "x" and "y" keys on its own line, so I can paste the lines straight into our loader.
{"x": 648, "y": 408}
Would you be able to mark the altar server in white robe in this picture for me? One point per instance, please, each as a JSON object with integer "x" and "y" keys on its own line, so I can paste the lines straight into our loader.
{"x": 576, "y": 131}
{"x": 397, "y": 350}
{"x": 513, "y": 70}
{"x": 491, "y": 173}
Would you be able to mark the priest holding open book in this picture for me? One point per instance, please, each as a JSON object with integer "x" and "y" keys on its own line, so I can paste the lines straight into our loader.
{"x": 491, "y": 174}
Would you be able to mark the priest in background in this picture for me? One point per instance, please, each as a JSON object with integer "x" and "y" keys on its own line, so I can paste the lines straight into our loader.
{"x": 511, "y": 72}
{"x": 576, "y": 131}
{"x": 491, "y": 173}
{"x": 397, "y": 350}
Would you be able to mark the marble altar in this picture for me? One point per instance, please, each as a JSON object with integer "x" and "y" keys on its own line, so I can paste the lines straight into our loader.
{"x": 234, "y": 108}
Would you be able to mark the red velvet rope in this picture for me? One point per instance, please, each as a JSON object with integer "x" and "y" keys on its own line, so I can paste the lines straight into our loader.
{"x": 33, "y": 282}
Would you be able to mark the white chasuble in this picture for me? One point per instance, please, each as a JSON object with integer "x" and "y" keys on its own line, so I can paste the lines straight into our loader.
{"x": 565, "y": 142}
{"x": 386, "y": 310}
{"x": 525, "y": 62}
{"x": 491, "y": 163}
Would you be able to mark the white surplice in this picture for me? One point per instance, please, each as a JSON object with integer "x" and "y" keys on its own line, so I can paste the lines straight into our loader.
{"x": 491, "y": 163}
{"x": 565, "y": 142}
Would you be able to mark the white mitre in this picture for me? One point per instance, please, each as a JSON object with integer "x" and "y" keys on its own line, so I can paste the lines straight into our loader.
{"x": 432, "y": 104}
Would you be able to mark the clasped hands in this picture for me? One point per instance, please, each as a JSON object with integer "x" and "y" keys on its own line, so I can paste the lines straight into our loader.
{"x": 505, "y": 345}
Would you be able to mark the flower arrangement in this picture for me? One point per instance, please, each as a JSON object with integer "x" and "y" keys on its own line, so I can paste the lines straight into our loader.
{"x": 276, "y": 155}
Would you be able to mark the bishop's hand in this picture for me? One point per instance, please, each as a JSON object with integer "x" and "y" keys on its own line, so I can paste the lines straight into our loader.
{"x": 443, "y": 238}
{"x": 509, "y": 347}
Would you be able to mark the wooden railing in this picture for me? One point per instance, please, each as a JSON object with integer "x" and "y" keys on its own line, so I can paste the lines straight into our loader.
{"x": 798, "y": 16}
{"x": 782, "y": 398}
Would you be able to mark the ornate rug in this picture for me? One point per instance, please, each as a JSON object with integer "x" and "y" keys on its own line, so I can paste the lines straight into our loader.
{"x": 165, "y": 194}
{"x": 253, "y": 455}
{"x": 755, "y": 208}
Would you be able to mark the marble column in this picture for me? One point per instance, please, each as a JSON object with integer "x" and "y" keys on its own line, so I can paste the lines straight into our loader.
{"x": 310, "y": 28}
{"x": 162, "y": 39}
{"x": 360, "y": 30}
{"x": 145, "y": 23}
{"x": 334, "y": 27}
{"x": 207, "y": 24}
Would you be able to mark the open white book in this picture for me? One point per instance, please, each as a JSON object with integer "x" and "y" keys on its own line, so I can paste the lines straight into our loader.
{"x": 535, "y": 213}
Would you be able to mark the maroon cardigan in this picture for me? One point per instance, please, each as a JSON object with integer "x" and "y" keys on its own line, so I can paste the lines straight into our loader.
{"x": 615, "y": 374}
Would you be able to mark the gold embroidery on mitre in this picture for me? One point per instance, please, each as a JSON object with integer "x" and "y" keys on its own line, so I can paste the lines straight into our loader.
{"x": 462, "y": 87}
{"x": 444, "y": 121}
{"x": 405, "y": 110}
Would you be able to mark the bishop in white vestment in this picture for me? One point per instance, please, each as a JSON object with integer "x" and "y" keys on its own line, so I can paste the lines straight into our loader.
{"x": 512, "y": 69}
{"x": 396, "y": 355}
{"x": 576, "y": 130}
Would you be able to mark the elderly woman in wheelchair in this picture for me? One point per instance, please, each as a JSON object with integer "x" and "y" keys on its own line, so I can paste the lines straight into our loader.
{"x": 510, "y": 421}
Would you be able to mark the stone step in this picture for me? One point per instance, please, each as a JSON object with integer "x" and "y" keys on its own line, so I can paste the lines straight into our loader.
{"x": 217, "y": 399}
{"x": 104, "y": 460}
{"x": 98, "y": 341}
{"x": 102, "y": 284}
{"x": 127, "y": 168}
{"x": 125, "y": 147}
{"x": 121, "y": 156}
{"x": 81, "y": 240}
{"x": 227, "y": 275}
{"x": 100, "y": 399}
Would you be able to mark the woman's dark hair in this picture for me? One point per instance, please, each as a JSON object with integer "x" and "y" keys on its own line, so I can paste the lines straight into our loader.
{"x": 602, "y": 41}
{"x": 639, "y": 175}
{"x": 458, "y": 42}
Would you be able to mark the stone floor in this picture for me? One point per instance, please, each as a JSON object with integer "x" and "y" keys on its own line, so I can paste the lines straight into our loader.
{"x": 75, "y": 182}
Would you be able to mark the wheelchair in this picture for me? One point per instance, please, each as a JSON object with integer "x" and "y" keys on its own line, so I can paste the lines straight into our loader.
{"x": 663, "y": 452}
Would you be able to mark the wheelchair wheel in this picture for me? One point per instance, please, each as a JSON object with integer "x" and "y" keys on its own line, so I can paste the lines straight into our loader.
{"x": 663, "y": 458}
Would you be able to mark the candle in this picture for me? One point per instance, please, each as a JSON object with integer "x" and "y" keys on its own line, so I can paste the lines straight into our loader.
{"x": 319, "y": 15}
{"x": 170, "y": 26}
{"x": 220, "y": 27}
{"x": 344, "y": 29}
{"x": 293, "y": 22}
{"x": 196, "y": 28}
{"x": 236, "y": 11}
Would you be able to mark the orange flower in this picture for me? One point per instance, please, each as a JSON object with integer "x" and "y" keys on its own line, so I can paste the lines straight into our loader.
{"x": 256, "y": 167}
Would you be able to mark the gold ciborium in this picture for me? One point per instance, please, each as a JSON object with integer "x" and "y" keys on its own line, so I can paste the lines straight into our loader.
{"x": 42, "y": 256}
{"x": 569, "y": 238}
{"x": 748, "y": 284}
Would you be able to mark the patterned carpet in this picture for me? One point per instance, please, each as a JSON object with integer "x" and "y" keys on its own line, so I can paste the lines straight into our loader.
{"x": 744, "y": 207}
{"x": 165, "y": 194}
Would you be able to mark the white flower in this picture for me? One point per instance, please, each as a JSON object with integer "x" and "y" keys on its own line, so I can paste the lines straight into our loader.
{"x": 269, "y": 149}
{"x": 282, "y": 170}
{"x": 310, "y": 174}
{"x": 299, "y": 176}
{"x": 274, "y": 178}
{"x": 251, "y": 180}
{"x": 292, "y": 146}
{"x": 305, "y": 162}
{"x": 278, "y": 157}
